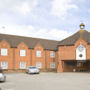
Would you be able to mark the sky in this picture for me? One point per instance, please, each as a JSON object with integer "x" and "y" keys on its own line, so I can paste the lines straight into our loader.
{"x": 48, "y": 19}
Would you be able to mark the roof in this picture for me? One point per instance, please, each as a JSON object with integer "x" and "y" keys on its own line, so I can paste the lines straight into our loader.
{"x": 85, "y": 35}
{"x": 14, "y": 41}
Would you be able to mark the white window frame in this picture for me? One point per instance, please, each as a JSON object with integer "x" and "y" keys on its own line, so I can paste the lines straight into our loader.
{"x": 38, "y": 64}
{"x": 52, "y": 64}
{"x": 4, "y": 51}
{"x": 4, "y": 65}
{"x": 52, "y": 54}
{"x": 22, "y": 66}
{"x": 22, "y": 52}
{"x": 38, "y": 53}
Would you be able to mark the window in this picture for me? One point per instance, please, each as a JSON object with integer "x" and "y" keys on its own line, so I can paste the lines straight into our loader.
{"x": 22, "y": 52}
{"x": 22, "y": 65}
{"x": 3, "y": 52}
{"x": 39, "y": 65}
{"x": 52, "y": 54}
{"x": 4, "y": 65}
{"x": 38, "y": 53}
{"x": 52, "y": 65}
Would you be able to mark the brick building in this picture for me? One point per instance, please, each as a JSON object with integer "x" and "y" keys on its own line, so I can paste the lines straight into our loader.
{"x": 70, "y": 54}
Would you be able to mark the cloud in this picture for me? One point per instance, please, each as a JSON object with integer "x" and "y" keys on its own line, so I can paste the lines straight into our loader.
{"x": 30, "y": 31}
{"x": 59, "y": 34}
{"x": 18, "y": 6}
{"x": 60, "y": 8}
{"x": 24, "y": 8}
{"x": 14, "y": 29}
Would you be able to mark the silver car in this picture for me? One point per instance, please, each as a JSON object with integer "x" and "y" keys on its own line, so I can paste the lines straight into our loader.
{"x": 32, "y": 70}
{"x": 2, "y": 76}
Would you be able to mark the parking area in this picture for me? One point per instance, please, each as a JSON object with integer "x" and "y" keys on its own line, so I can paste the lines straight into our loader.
{"x": 47, "y": 81}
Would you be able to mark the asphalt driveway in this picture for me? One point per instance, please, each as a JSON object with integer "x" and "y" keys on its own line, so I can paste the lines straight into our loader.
{"x": 47, "y": 81}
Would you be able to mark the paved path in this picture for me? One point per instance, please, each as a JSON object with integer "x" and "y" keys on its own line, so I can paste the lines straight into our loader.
{"x": 47, "y": 81}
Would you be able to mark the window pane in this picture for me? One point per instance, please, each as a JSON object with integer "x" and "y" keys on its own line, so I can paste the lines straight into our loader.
{"x": 52, "y": 54}
{"x": 22, "y": 65}
{"x": 38, "y": 53}
{"x": 22, "y": 52}
{"x": 4, "y": 65}
{"x": 39, "y": 65}
{"x": 3, "y": 52}
{"x": 52, "y": 65}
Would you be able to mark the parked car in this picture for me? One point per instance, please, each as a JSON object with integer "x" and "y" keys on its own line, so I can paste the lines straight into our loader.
{"x": 32, "y": 70}
{"x": 2, "y": 76}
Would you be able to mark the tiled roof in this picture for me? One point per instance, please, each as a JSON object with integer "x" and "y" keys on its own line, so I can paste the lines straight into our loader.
{"x": 85, "y": 35}
{"x": 14, "y": 41}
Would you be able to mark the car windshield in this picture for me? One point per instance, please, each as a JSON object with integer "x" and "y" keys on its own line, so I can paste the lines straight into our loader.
{"x": 32, "y": 67}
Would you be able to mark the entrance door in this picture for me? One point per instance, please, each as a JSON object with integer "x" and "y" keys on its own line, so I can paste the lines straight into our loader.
{"x": 81, "y": 66}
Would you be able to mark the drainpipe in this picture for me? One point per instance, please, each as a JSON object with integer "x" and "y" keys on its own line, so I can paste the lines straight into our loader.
{"x": 31, "y": 57}
{"x": 45, "y": 60}
{"x": 13, "y": 58}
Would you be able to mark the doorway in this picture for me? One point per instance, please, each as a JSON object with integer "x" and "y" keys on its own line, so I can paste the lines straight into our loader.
{"x": 76, "y": 66}
{"x": 81, "y": 66}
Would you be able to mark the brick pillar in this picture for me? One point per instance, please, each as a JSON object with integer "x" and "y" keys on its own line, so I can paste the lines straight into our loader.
{"x": 60, "y": 67}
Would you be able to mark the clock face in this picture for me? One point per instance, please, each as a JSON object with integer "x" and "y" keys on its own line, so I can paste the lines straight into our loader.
{"x": 80, "y": 48}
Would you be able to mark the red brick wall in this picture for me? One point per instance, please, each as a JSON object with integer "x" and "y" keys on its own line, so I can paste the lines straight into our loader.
{"x": 45, "y": 59}
{"x": 64, "y": 53}
{"x": 18, "y": 58}
{"x": 13, "y": 58}
{"x": 69, "y": 52}
{"x": 9, "y": 57}
{"x": 50, "y": 59}
{"x": 38, "y": 59}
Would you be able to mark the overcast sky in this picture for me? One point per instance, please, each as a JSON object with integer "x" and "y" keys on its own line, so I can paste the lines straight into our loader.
{"x": 49, "y": 19}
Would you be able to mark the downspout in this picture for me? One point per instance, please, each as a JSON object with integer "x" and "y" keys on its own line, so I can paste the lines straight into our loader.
{"x": 13, "y": 58}
{"x": 45, "y": 60}
{"x": 31, "y": 57}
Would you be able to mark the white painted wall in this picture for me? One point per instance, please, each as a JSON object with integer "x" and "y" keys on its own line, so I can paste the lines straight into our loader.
{"x": 81, "y": 50}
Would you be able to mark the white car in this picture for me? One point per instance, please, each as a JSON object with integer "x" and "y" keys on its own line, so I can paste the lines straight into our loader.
{"x": 32, "y": 70}
{"x": 2, "y": 76}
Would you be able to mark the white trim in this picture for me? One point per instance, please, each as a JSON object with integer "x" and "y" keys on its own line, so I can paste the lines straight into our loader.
{"x": 22, "y": 65}
{"x": 80, "y": 52}
{"x": 38, "y": 64}
{"x": 4, "y": 52}
{"x": 22, "y": 52}
{"x": 4, "y": 65}
{"x": 52, "y": 54}
{"x": 52, "y": 64}
{"x": 38, "y": 53}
